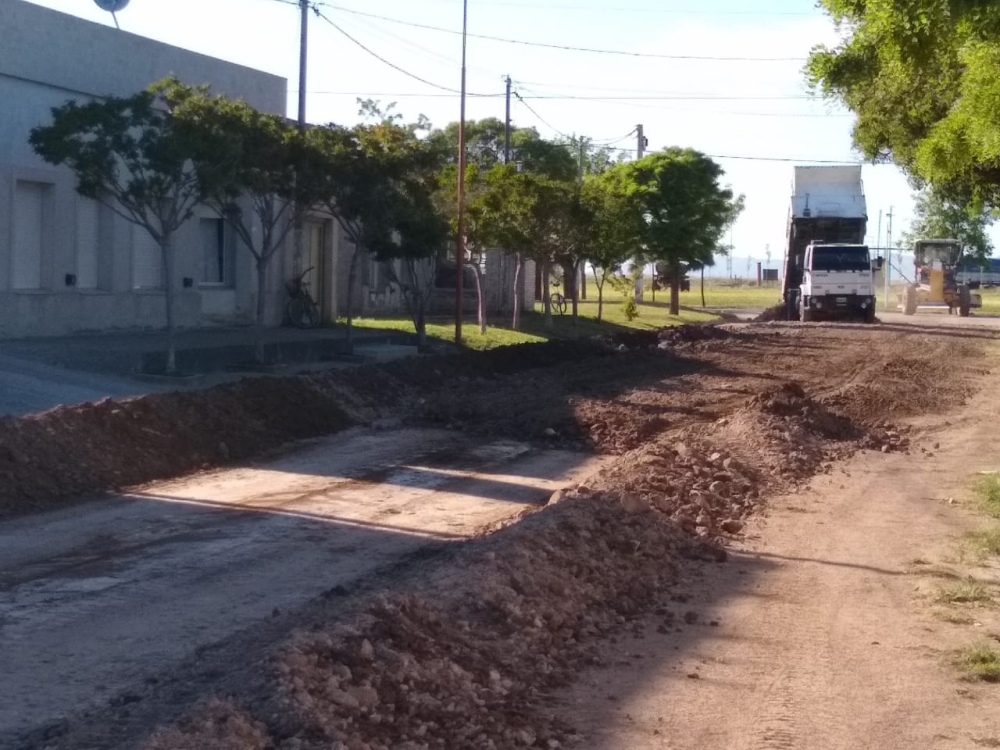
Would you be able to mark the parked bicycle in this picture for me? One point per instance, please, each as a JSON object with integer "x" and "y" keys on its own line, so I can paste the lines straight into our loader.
{"x": 558, "y": 302}
{"x": 301, "y": 309}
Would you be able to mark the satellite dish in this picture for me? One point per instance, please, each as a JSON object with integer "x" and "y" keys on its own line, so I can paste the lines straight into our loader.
{"x": 112, "y": 7}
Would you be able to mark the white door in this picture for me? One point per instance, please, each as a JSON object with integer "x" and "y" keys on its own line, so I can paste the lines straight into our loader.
{"x": 146, "y": 260}
{"x": 88, "y": 213}
{"x": 26, "y": 272}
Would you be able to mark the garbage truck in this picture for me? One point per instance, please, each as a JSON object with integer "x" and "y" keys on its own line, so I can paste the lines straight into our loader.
{"x": 829, "y": 273}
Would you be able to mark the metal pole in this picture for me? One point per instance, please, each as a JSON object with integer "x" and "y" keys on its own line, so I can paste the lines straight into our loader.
{"x": 297, "y": 238}
{"x": 303, "y": 59}
{"x": 888, "y": 265}
{"x": 460, "y": 239}
{"x": 640, "y": 149}
{"x": 506, "y": 132}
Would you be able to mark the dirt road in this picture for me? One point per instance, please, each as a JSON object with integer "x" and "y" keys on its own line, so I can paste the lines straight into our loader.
{"x": 829, "y": 636}
{"x": 123, "y": 614}
{"x": 97, "y": 606}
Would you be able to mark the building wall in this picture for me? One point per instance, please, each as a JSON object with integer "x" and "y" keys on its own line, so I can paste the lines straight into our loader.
{"x": 67, "y": 264}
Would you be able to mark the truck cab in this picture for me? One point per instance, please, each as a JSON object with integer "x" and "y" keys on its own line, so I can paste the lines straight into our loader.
{"x": 837, "y": 282}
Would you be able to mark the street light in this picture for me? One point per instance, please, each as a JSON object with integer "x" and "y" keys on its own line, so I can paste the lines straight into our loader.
{"x": 460, "y": 236}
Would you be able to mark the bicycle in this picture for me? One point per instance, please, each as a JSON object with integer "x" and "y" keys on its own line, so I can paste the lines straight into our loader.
{"x": 301, "y": 310}
{"x": 558, "y": 303}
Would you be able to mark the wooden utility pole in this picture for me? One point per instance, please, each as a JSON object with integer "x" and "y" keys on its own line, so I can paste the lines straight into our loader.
{"x": 297, "y": 239}
{"x": 506, "y": 131}
{"x": 460, "y": 239}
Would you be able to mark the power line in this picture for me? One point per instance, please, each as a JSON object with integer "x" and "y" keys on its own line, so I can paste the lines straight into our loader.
{"x": 674, "y": 11}
{"x": 540, "y": 118}
{"x": 392, "y": 65}
{"x": 563, "y": 47}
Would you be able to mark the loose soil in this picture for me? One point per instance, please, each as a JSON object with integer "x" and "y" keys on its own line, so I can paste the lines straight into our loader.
{"x": 705, "y": 425}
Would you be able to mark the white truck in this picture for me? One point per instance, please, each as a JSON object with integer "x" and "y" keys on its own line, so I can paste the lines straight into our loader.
{"x": 829, "y": 273}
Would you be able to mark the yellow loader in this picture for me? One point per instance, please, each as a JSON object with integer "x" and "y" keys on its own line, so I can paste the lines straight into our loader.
{"x": 936, "y": 285}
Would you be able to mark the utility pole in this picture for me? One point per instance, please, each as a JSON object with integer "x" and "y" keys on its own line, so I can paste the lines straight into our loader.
{"x": 885, "y": 270}
{"x": 303, "y": 61}
{"x": 888, "y": 260}
{"x": 506, "y": 132}
{"x": 640, "y": 150}
{"x": 297, "y": 239}
{"x": 460, "y": 239}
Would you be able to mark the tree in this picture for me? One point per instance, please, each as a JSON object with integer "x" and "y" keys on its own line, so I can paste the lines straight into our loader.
{"x": 485, "y": 150}
{"x": 922, "y": 79}
{"x": 616, "y": 231}
{"x": 359, "y": 173}
{"x": 939, "y": 217}
{"x": 129, "y": 154}
{"x": 417, "y": 242}
{"x": 684, "y": 208}
{"x": 243, "y": 154}
{"x": 531, "y": 215}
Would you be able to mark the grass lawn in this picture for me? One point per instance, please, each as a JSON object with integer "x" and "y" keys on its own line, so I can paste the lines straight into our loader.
{"x": 725, "y": 297}
{"x": 652, "y": 316}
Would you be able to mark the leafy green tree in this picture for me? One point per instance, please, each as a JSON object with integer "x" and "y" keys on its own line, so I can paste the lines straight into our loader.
{"x": 922, "y": 79}
{"x": 615, "y": 233}
{"x": 128, "y": 154}
{"x": 684, "y": 208}
{"x": 417, "y": 242}
{"x": 529, "y": 214}
{"x": 938, "y": 217}
{"x": 243, "y": 155}
{"x": 360, "y": 174}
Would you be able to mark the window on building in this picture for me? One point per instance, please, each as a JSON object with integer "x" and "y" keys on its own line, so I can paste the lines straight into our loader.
{"x": 29, "y": 204}
{"x": 216, "y": 253}
{"x": 147, "y": 261}
{"x": 88, "y": 213}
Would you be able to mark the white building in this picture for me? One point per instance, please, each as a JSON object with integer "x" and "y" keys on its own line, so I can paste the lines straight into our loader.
{"x": 67, "y": 263}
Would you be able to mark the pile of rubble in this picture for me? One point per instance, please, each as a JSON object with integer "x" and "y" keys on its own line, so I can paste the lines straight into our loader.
{"x": 468, "y": 662}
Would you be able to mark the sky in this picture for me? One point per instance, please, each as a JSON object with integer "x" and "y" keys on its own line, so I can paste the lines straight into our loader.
{"x": 751, "y": 110}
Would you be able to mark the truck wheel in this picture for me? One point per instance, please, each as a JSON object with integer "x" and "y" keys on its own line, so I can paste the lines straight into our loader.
{"x": 910, "y": 300}
{"x": 869, "y": 315}
{"x": 964, "y": 301}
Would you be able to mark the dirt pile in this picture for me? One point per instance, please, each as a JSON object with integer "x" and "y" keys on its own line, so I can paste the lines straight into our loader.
{"x": 784, "y": 433}
{"x": 111, "y": 444}
{"x": 772, "y": 314}
{"x": 520, "y": 612}
{"x": 468, "y": 663}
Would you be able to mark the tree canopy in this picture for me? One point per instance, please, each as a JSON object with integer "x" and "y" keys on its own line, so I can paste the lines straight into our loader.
{"x": 938, "y": 218}
{"x": 683, "y": 206}
{"x": 130, "y": 154}
{"x": 923, "y": 78}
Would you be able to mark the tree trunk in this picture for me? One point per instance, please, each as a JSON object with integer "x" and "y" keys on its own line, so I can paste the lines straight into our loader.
{"x": 600, "y": 294}
{"x": 421, "y": 329}
{"x": 518, "y": 290}
{"x": 167, "y": 253}
{"x": 351, "y": 276}
{"x": 583, "y": 280}
{"x": 675, "y": 288}
{"x": 480, "y": 302}
{"x": 576, "y": 292}
{"x": 703, "y": 286}
{"x": 546, "y": 295}
{"x": 258, "y": 348}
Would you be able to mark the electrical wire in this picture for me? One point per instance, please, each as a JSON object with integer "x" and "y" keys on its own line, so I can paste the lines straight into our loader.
{"x": 397, "y": 68}
{"x": 562, "y": 47}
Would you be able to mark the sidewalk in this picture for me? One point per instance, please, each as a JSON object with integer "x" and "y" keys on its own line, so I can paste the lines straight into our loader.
{"x": 40, "y": 373}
